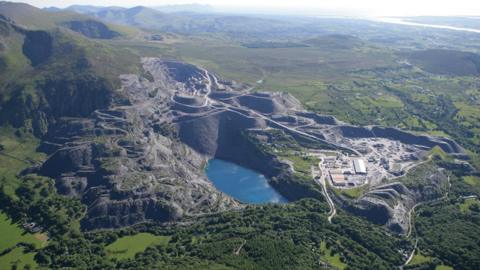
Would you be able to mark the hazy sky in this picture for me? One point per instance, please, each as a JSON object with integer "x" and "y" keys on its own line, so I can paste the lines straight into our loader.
{"x": 359, "y": 7}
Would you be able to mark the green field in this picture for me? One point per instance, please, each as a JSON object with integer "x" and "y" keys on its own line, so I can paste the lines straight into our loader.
{"x": 418, "y": 258}
{"x": 472, "y": 184}
{"x": 301, "y": 162}
{"x": 127, "y": 246}
{"x": 352, "y": 193}
{"x": 17, "y": 258}
{"x": 279, "y": 65}
{"x": 333, "y": 260}
{"x": 10, "y": 236}
{"x": 465, "y": 206}
{"x": 472, "y": 180}
{"x": 443, "y": 267}
{"x": 19, "y": 153}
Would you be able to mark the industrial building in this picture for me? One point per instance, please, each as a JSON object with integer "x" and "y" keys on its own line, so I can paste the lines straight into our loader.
{"x": 336, "y": 171}
{"x": 359, "y": 166}
{"x": 338, "y": 179}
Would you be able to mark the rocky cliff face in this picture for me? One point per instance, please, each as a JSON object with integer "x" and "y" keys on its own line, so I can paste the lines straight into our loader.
{"x": 37, "y": 46}
{"x": 447, "y": 145}
{"x": 58, "y": 79}
{"x": 91, "y": 29}
{"x": 390, "y": 204}
{"x": 53, "y": 99}
{"x": 387, "y": 205}
{"x": 124, "y": 165}
{"x": 142, "y": 159}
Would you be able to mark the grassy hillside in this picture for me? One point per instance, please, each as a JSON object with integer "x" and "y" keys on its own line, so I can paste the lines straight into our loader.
{"x": 294, "y": 236}
{"x": 185, "y": 23}
{"x": 12, "y": 238}
{"x": 12, "y": 234}
{"x": 12, "y": 59}
{"x": 127, "y": 246}
{"x": 32, "y": 18}
{"x": 447, "y": 62}
{"x": 21, "y": 20}
{"x": 51, "y": 72}
{"x": 26, "y": 15}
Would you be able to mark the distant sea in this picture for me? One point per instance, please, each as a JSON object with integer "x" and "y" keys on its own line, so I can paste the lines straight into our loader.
{"x": 437, "y": 26}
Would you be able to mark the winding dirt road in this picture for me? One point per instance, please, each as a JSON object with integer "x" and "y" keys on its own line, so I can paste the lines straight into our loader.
{"x": 320, "y": 179}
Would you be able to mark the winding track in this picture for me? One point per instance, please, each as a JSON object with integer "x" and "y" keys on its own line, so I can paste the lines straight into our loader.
{"x": 411, "y": 224}
{"x": 237, "y": 252}
{"x": 211, "y": 102}
{"x": 320, "y": 179}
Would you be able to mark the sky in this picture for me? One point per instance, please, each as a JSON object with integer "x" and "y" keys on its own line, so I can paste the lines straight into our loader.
{"x": 310, "y": 7}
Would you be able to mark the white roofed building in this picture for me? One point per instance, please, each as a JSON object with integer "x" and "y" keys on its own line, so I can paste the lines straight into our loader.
{"x": 359, "y": 166}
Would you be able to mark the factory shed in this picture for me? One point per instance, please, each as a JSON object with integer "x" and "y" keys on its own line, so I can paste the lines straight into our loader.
{"x": 338, "y": 179}
{"x": 359, "y": 166}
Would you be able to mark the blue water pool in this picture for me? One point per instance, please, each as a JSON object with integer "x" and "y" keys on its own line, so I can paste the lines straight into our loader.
{"x": 241, "y": 183}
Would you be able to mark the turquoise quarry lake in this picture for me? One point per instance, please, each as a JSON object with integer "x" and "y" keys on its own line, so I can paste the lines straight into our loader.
{"x": 241, "y": 183}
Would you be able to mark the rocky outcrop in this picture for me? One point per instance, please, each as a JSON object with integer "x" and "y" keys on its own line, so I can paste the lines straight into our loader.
{"x": 447, "y": 145}
{"x": 91, "y": 29}
{"x": 37, "y": 46}
{"x": 54, "y": 99}
{"x": 77, "y": 97}
{"x": 5, "y": 27}
{"x": 143, "y": 159}
{"x": 390, "y": 204}
{"x": 320, "y": 119}
{"x": 71, "y": 158}
{"x": 40, "y": 102}
{"x": 217, "y": 133}
{"x": 385, "y": 205}
{"x": 124, "y": 165}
